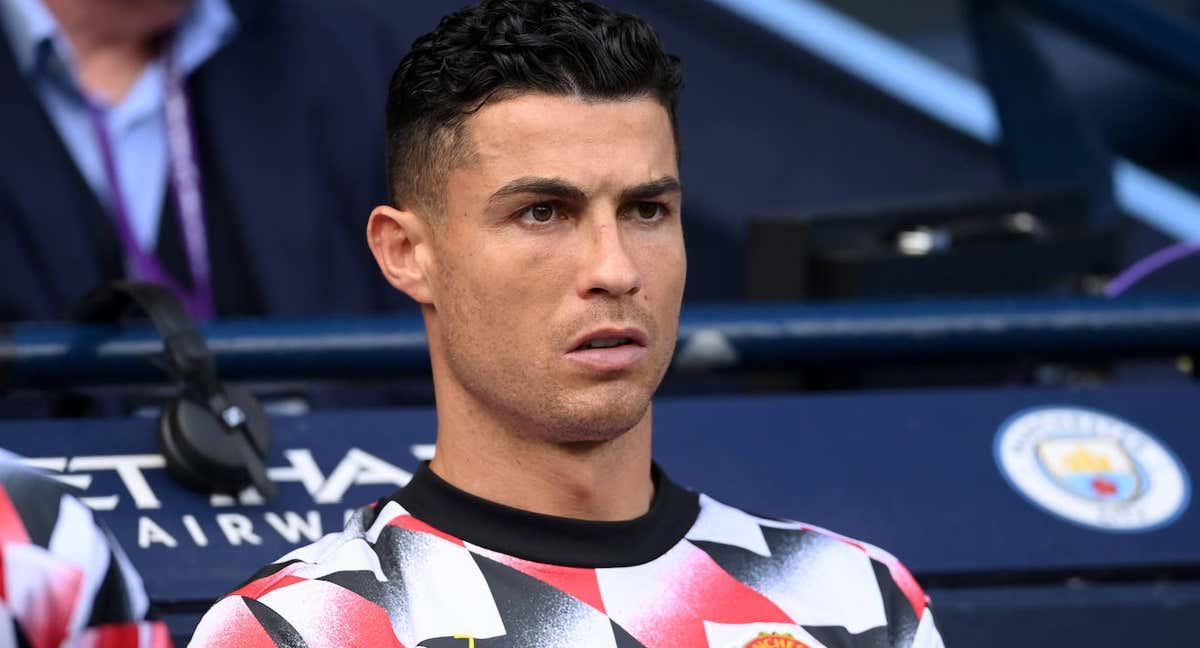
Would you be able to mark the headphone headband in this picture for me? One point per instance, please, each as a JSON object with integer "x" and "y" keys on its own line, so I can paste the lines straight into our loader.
{"x": 189, "y": 361}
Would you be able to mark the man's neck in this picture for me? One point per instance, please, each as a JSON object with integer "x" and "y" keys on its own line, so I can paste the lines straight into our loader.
{"x": 108, "y": 72}
{"x": 603, "y": 481}
{"x": 111, "y": 48}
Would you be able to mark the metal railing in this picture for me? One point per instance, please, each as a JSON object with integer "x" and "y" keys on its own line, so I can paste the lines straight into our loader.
{"x": 711, "y": 338}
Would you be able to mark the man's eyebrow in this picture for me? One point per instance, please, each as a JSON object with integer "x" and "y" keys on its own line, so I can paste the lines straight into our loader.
{"x": 552, "y": 187}
{"x": 652, "y": 189}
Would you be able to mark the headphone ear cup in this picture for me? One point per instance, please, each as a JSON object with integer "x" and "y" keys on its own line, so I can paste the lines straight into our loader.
{"x": 200, "y": 449}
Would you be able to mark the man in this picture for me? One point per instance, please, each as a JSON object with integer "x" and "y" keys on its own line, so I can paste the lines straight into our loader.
{"x": 536, "y": 221}
{"x": 143, "y": 139}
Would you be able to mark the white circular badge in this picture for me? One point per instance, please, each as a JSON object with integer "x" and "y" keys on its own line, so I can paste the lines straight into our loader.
{"x": 1091, "y": 468}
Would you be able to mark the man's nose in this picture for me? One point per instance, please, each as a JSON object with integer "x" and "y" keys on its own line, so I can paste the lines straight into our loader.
{"x": 608, "y": 267}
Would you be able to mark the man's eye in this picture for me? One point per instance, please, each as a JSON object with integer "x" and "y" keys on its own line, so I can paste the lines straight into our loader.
{"x": 539, "y": 213}
{"x": 648, "y": 210}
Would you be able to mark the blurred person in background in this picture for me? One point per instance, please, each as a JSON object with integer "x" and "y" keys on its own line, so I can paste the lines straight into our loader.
{"x": 224, "y": 148}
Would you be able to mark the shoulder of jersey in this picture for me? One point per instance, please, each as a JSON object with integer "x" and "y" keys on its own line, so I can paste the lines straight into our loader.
{"x": 827, "y": 560}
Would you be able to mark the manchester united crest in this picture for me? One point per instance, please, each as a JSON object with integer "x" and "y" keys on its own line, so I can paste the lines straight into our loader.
{"x": 775, "y": 640}
{"x": 1092, "y": 468}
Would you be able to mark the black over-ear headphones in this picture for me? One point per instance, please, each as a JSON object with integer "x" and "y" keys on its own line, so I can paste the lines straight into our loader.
{"x": 214, "y": 437}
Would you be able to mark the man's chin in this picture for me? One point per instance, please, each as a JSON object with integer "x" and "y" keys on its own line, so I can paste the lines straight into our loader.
{"x": 602, "y": 415}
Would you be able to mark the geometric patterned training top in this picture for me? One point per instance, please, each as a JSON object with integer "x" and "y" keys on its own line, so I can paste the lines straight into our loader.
{"x": 434, "y": 566}
{"x": 64, "y": 581}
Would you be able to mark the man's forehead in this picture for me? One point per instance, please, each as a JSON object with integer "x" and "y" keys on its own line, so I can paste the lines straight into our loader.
{"x": 553, "y": 136}
{"x": 538, "y": 109}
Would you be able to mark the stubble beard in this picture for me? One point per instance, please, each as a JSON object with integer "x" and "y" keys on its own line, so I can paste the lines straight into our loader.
{"x": 530, "y": 400}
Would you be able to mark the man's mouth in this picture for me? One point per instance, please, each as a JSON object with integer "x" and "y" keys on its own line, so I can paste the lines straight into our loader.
{"x": 609, "y": 350}
{"x": 604, "y": 343}
{"x": 607, "y": 337}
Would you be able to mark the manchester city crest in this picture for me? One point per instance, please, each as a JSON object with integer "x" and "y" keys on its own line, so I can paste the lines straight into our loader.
{"x": 1092, "y": 468}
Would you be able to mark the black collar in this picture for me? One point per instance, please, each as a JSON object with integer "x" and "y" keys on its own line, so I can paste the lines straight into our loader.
{"x": 549, "y": 539}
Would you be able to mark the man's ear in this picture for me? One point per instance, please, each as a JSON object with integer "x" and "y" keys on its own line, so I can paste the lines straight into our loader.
{"x": 402, "y": 244}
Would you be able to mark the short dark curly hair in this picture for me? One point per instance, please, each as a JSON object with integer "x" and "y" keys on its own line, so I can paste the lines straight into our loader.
{"x": 500, "y": 48}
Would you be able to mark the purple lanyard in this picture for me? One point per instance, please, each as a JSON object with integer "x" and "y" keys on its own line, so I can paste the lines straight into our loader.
{"x": 189, "y": 202}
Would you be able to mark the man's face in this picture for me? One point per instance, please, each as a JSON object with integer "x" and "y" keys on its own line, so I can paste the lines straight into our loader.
{"x": 560, "y": 264}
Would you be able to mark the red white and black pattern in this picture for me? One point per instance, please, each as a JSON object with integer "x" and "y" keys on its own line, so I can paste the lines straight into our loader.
{"x": 64, "y": 581}
{"x": 394, "y": 579}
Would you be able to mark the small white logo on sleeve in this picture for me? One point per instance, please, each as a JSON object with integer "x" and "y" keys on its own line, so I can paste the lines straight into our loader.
{"x": 1092, "y": 469}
